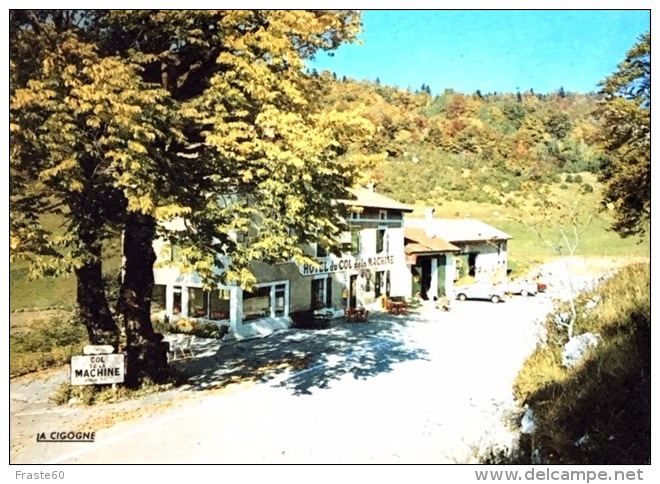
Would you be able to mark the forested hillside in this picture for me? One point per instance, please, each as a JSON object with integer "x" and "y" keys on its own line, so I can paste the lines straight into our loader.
{"x": 448, "y": 146}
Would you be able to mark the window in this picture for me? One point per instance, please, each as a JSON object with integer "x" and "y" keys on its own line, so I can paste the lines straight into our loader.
{"x": 328, "y": 291}
{"x": 382, "y": 283}
{"x": 198, "y": 302}
{"x": 321, "y": 293}
{"x": 176, "y": 303}
{"x": 320, "y": 251}
{"x": 219, "y": 301}
{"x": 280, "y": 299}
{"x": 355, "y": 241}
{"x": 208, "y": 304}
{"x": 256, "y": 303}
{"x": 158, "y": 297}
{"x": 318, "y": 293}
{"x": 175, "y": 255}
{"x": 266, "y": 301}
{"x": 382, "y": 214}
{"x": 378, "y": 282}
{"x": 380, "y": 240}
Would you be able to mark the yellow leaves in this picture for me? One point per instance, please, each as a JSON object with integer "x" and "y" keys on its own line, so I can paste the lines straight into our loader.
{"x": 14, "y": 242}
{"x": 64, "y": 165}
{"x": 76, "y": 186}
{"x": 142, "y": 204}
{"x": 170, "y": 212}
{"x": 136, "y": 147}
{"x": 36, "y": 94}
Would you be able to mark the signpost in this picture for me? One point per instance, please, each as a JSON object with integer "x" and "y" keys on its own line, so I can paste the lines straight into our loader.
{"x": 98, "y": 350}
{"x": 98, "y": 366}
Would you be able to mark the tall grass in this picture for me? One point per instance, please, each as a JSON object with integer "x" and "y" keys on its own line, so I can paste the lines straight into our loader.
{"x": 600, "y": 411}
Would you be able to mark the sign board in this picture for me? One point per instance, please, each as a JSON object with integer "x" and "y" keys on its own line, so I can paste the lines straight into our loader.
{"x": 97, "y": 369}
{"x": 349, "y": 263}
{"x": 98, "y": 349}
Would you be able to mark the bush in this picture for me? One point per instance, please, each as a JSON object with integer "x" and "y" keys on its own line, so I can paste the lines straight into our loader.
{"x": 563, "y": 186}
{"x": 195, "y": 327}
{"x": 67, "y": 394}
{"x": 586, "y": 188}
{"x": 577, "y": 178}
{"x": 47, "y": 343}
{"x": 569, "y": 179}
{"x": 465, "y": 281}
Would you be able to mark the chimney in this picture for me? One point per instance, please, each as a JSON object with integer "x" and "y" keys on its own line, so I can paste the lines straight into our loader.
{"x": 371, "y": 186}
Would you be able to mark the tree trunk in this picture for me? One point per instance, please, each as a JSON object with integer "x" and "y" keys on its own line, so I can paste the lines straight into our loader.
{"x": 146, "y": 351}
{"x": 572, "y": 297}
{"x": 93, "y": 306}
{"x": 91, "y": 299}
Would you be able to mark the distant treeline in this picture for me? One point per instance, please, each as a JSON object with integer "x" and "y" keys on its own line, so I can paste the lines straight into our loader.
{"x": 448, "y": 145}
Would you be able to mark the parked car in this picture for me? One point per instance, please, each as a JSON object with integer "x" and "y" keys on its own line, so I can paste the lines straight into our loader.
{"x": 480, "y": 290}
{"x": 522, "y": 287}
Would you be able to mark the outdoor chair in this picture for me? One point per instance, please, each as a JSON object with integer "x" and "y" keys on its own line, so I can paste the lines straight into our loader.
{"x": 180, "y": 344}
{"x": 355, "y": 314}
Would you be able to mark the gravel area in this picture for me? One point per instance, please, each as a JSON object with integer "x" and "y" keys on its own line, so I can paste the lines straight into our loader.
{"x": 427, "y": 387}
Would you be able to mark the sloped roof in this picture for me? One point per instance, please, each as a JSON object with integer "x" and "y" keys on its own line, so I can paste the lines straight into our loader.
{"x": 422, "y": 243}
{"x": 368, "y": 198}
{"x": 457, "y": 230}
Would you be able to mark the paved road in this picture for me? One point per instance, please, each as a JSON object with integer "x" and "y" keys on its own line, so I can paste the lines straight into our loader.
{"x": 432, "y": 387}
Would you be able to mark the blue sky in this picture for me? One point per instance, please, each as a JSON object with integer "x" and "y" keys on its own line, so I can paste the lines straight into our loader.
{"x": 496, "y": 50}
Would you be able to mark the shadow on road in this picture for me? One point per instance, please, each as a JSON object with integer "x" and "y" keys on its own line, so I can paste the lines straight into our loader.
{"x": 307, "y": 359}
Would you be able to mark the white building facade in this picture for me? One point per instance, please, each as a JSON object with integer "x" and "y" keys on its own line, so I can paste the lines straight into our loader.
{"x": 372, "y": 265}
{"x": 482, "y": 249}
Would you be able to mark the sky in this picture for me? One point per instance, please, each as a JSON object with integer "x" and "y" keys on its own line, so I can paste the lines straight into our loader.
{"x": 489, "y": 50}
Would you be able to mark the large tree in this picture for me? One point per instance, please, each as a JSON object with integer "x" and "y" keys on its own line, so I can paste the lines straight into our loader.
{"x": 626, "y": 136}
{"x": 204, "y": 117}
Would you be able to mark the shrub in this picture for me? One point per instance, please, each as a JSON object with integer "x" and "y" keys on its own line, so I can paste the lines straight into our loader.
{"x": 577, "y": 178}
{"x": 465, "y": 281}
{"x": 569, "y": 178}
{"x": 563, "y": 186}
{"x": 586, "y": 188}
{"x": 47, "y": 343}
{"x": 93, "y": 394}
{"x": 196, "y": 327}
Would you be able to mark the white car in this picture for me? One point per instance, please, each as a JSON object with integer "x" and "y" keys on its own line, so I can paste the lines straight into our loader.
{"x": 480, "y": 290}
{"x": 522, "y": 287}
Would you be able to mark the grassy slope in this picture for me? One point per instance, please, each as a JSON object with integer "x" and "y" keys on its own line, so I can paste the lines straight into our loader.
{"x": 41, "y": 293}
{"x": 605, "y": 402}
{"x": 527, "y": 248}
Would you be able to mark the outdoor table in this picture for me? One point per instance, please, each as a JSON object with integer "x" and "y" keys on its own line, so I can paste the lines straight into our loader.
{"x": 356, "y": 314}
{"x": 397, "y": 307}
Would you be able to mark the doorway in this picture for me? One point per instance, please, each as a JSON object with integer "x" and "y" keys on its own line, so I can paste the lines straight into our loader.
{"x": 352, "y": 291}
{"x": 422, "y": 278}
{"x": 472, "y": 264}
